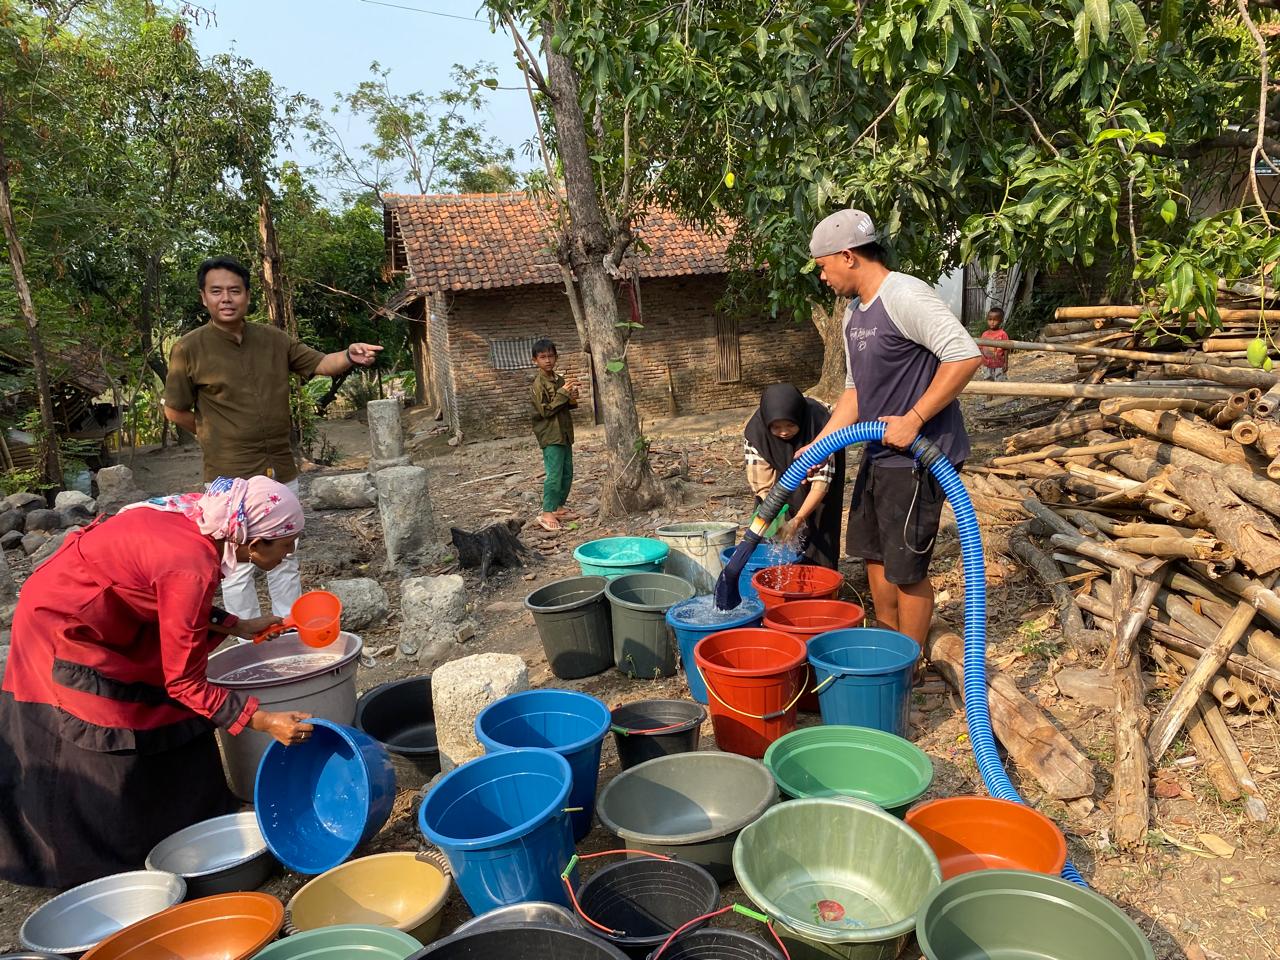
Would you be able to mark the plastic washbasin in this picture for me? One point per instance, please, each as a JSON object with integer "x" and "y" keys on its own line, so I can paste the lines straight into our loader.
{"x": 615, "y": 556}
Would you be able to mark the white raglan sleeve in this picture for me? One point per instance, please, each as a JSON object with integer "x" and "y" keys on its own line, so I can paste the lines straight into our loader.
{"x": 844, "y": 337}
{"x": 920, "y": 314}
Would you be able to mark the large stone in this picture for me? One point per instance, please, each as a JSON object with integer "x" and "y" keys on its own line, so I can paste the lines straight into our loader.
{"x": 75, "y": 516}
{"x": 12, "y": 520}
{"x": 116, "y": 489}
{"x": 404, "y": 504}
{"x": 386, "y": 442}
{"x": 11, "y": 540}
{"x": 25, "y": 501}
{"x": 462, "y": 688}
{"x": 348, "y": 491}
{"x": 433, "y": 618}
{"x": 364, "y": 602}
{"x": 48, "y": 548}
{"x": 43, "y": 520}
{"x": 8, "y": 588}
{"x": 74, "y": 500}
{"x": 31, "y": 542}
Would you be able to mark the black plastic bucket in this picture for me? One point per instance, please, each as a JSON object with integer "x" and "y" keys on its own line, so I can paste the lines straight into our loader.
{"x": 525, "y": 941}
{"x": 400, "y": 716}
{"x": 718, "y": 945}
{"x": 646, "y": 900}
{"x": 649, "y": 729}
{"x": 572, "y": 617}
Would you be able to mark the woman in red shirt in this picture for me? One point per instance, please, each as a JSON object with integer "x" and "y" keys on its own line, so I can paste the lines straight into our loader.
{"x": 106, "y": 718}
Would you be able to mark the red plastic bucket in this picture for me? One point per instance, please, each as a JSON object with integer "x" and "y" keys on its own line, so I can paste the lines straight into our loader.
{"x": 795, "y": 581}
{"x": 808, "y": 618}
{"x": 755, "y": 678}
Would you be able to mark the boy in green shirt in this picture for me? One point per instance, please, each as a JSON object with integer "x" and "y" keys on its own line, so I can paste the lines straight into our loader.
{"x": 553, "y": 398}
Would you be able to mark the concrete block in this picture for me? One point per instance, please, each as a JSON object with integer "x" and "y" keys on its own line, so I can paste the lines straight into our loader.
{"x": 460, "y": 689}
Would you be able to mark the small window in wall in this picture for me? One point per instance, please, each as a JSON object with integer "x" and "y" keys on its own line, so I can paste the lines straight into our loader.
{"x": 728, "y": 352}
{"x": 514, "y": 353}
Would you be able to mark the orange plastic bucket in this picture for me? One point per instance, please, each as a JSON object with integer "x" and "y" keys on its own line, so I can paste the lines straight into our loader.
{"x": 795, "y": 581}
{"x": 316, "y": 615}
{"x": 808, "y": 618}
{"x": 981, "y": 833}
{"x": 754, "y": 680}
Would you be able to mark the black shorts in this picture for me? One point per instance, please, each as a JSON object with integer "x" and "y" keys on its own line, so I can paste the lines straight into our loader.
{"x": 893, "y": 519}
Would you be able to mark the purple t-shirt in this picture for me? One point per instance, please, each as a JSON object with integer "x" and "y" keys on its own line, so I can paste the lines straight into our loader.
{"x": 893, "y": 347}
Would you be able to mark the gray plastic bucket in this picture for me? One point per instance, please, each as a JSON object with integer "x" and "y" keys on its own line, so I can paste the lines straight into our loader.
{"x": 572, "y": 617}
{"x": 695, "y": 550}
{"x": 644, "y": 647}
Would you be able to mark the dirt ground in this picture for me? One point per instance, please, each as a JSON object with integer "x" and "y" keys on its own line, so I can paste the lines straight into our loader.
{"x": 1193, "y": 898}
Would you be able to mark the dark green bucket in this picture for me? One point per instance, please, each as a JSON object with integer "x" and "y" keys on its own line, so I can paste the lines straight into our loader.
{"x": 644, "y": 647}
{"x": 572, "y": 617}
{"x": 1017, "y": 915}
{"x": 858, "y": 762}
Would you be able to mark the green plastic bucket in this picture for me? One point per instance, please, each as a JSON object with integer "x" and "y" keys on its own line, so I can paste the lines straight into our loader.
{"x": 695, "y": 550}
{"x": 618, "y": 556}
{"x": 841, "y": 877}
{"x": 343, "y": 942}
{"x": 644, "y": 647}
{"x": 572, "y": 617}
{"x": 858, "y": 762}
{"x": 1018, "y": 915}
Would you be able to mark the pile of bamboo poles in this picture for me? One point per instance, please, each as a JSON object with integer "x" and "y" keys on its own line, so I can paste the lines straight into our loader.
{"x": 1153, "y": 519}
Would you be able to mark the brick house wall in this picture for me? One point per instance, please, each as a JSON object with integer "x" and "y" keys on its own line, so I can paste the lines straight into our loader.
{"x": 680, "y": 332}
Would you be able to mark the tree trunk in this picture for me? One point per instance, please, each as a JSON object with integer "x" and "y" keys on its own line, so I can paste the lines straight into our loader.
{"x": 272, "y": 273}
{"x": 830, "y": 326}
{"x": 51, "y": 465}
{"x": 147, "y": 314}
{"x": 630, "y": 484}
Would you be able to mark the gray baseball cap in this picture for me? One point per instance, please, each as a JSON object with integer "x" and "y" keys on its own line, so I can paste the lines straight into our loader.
{"x": 843, "y": 230}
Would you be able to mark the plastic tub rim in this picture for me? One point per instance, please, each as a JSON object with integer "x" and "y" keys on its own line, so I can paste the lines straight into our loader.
{"x": 582, "y": 558}
{"x": 816, "y": 733}
{"x": 648, "y": 607}
{"x": 357, "y": 647}
{"x": 607, "y": 946}
{"x": 246, "y": 815}
{"x": 506, "y": 836}
{"x": 178, "y": 884}
{"x": 1067, "y": 895}
{"x": 302, "y": 936}
{"x": 405, "y": 924}
{"x": 839, "y": 671}
{"x": 719, "y": 627}
{"x": 271, "y": 902}
{"x": 808, "y": 931}
{"x": 625, "y": 941}
{"x": 683, "y": 727}
{"x": 1060, "y": 845}
{"x": 798, "y": 661}
{"x": 411, "y": 753}
{"x": 698, "y": 836}
{"x": 565, "y": 607}
{"x": 486, "y": 740}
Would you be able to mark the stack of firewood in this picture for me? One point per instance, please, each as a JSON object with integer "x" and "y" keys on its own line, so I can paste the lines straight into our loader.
{"x": 1149, "y": 510}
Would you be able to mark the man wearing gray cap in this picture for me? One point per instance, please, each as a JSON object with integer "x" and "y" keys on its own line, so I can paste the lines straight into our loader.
{"x": 907, "y": 359}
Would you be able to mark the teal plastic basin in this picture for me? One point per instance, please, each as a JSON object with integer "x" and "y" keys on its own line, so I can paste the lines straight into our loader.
{"x": 616, "y": 556}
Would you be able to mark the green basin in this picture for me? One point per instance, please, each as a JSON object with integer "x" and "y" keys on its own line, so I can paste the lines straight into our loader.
{"x": 342, "y": 943}
{"x": 1018, "y": 915}
{"x": 858, "y": 762}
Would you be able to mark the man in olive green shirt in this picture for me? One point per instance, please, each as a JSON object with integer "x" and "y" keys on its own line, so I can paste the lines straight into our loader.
{"x": 553, "y": 399}
{"x": 228, "y": 384}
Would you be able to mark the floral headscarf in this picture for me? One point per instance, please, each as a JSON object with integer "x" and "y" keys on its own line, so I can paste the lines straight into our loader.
{"x": 236, "y": 511}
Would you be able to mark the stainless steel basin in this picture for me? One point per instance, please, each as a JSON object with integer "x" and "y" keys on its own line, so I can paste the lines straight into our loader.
{"x": 223, "y": 855}
{"x": 74, "y": 921}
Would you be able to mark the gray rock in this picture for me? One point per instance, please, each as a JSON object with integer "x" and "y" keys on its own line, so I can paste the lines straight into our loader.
{"x": 364, "y": 602}
{"x": 43, "y": 520}
{"x": 12, "y": 520}
{"x": 7, "y": 613}
{"x": 433, "y": 611}
{"x": 349, "y": 491}
{"x": 75, "y": 516}
{"x": 386, "y": 439}
{"x": 32, "y": 542}
{"x": 8, "y": 588}
{"x": 48, "y": 549}
{"x": 11, "y": 540}
{"x": 462, "y": 688}
{"x": 404, "y": 505}
{"x": 112, "y": 480}
{"x": 25, "y": 501}
{"x": 68, "y": 499}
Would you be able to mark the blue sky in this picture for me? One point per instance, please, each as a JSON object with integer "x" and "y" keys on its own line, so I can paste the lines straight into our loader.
{"x": 318, "y": 47}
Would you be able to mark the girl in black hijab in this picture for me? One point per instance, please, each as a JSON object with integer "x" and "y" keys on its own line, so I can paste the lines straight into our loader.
{"x": 786, "y": 422}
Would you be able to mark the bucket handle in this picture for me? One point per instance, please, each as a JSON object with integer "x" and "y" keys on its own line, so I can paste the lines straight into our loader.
{"x": 625, "y": 732}
{"x": 733, "y": 907}
{"x": 573, "y": 897}
{"x": 751, "y": 716}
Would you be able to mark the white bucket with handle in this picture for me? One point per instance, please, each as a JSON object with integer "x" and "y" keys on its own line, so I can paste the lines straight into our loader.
{"x": 695, "y": 550}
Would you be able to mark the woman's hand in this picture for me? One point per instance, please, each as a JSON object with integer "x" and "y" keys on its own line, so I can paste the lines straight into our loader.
{"x": 792, "y": 529}
{"x": 288, "y": 728}
{"x": 250, "y": 628}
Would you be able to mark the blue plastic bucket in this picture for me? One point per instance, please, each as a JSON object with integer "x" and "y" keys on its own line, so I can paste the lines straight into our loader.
{"x": 764, "y": 555}
{"x": 500, "y": 820}
{"x": 748, "y": 614}
{"x": 318, "y": 800}
{"x": 615, "y": 556}
{"x": 572, "y": 724}
{"x": 863, "y": 677}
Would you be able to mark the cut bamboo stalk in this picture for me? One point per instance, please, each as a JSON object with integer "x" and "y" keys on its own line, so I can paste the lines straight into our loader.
{"x": 1269, "y": 404}
{"x": 1124, "y": 528}
{"x": 1119, "y": 404}
{"x": 1177, "y": 710}
{"x": 1273, "y": 468}
{"x": 1254, "y": 700}
{"x": 1233, "y": 409}
{"x": 1226, "y": 374}
{"x": 1130, "y": 312}
{"x": 1131, "y": 774}
{"x": 1268, "y": 441}
{"x": 1238, "y": 664}
{"x": 1215, "y": 767}
{"x": 1173, "y": 547}
{"x": 1220, "y": 687}
{"x": 1186, "y": 432}
{"x": 1089, "y": 350}
{"x": 1139, "y": 566}
{"x": 1050, "y": 574}
{"x": 1050, "y": 330}
{"x": 1254, "y": 394}
{"x": 1229, "y": 344}
{"x": 1060, "y": 453}
{"x": 1040, "y": 436}
{"x": 1244, "y": 431}
{"x": 1266, "y": 600}
{"x": 1130, "y": 617}
{"x": 1254, "y": 808}
{"x": 1251, "y": 535}
{"x": 1093, "y": 391}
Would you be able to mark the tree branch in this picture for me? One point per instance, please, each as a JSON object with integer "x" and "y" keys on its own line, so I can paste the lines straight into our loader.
{"x": 1259, "y": 148}
{"x": 527, "y": 60}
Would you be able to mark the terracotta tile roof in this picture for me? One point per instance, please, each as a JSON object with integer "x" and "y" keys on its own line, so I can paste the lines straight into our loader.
{"x": 477, "y": 241}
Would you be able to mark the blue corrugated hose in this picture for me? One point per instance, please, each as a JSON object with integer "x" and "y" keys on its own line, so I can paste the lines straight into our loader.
{"x": 977, "y": 713}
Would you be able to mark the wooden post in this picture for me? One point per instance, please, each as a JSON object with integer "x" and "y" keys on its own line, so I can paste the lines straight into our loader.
{"x": 1131, "y": 776}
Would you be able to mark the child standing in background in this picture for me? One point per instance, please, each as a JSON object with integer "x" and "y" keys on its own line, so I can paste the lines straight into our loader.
{"x": 553, "y": 399}
{"x": 995, "y": 360}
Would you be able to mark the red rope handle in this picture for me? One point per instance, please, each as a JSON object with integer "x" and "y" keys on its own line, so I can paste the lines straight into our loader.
{"x": 711, "y": 916}
{"x": 573, "y": 897}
